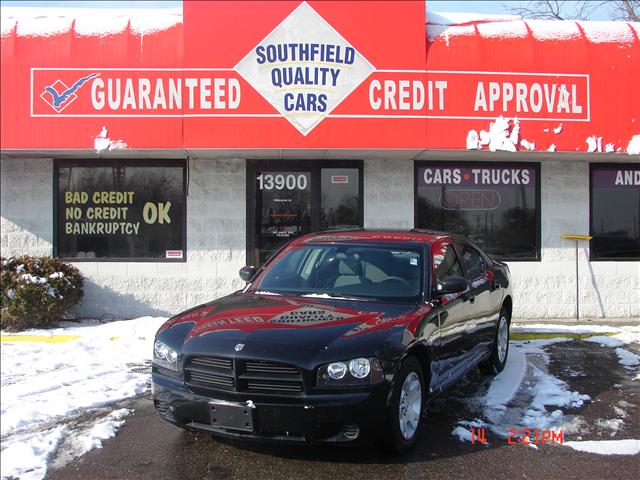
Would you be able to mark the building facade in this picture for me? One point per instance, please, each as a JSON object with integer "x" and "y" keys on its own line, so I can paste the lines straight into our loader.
{"x": 161, "y": 153}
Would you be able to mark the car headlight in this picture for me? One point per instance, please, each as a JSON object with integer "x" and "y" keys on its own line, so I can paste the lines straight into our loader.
{"x": 165, "y": 356}
{"x": 349, "y": 373}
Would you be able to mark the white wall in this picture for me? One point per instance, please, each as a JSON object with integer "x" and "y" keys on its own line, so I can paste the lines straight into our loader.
{"x": 216, "y": 236}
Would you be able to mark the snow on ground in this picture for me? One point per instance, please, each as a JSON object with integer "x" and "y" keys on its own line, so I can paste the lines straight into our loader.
{"x": 607, "y": 447}
{"x": 57, "y": 398}
{"x": 27, "y": 459}
{"x": 627, "y": 358}
{"x": 525, "y": 395}
{"x": 462, "y": 433}
{"x": 506, "y": 384}
{"x": 47, "y": 386}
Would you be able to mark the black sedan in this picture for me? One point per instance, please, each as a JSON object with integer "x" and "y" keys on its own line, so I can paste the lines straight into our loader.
{"x": 339, "y": 338}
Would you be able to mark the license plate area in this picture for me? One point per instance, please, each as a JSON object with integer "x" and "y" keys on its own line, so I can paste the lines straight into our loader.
{"x": 232, "y": 416}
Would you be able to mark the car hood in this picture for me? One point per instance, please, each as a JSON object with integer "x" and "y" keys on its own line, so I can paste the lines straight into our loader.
{"x": 275, "y": 327}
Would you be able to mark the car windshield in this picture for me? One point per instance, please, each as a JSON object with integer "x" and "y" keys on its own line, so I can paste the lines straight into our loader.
{"x": 382, "y": 272}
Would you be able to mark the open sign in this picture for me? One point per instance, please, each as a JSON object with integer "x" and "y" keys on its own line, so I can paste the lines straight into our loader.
{"x": 470, "y": 199}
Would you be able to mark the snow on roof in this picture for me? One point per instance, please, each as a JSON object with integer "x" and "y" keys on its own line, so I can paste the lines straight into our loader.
{"x": 517, "y": 29}
{"x": 554, "y": 29}
{"x": 608, "y": 32}
{"x": 30, "y": 21}
{"x": 450, "y": 24}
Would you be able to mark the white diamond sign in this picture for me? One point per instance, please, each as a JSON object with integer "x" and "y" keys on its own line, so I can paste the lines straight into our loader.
{"x": 304, "y": 68}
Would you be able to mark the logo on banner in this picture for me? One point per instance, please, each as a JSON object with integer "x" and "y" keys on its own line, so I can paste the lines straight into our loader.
{"x": 59, "y": 96}
{"x": 304, "y": 68}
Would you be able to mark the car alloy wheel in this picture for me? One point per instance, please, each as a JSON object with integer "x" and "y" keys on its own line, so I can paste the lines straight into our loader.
{"x": 410, "y": 406}
{"x": 503, "y": 338}
{"x": 406, "y": 407}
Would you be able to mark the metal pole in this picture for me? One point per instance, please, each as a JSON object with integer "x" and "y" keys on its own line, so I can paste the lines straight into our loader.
{"x": 577, "y": 286}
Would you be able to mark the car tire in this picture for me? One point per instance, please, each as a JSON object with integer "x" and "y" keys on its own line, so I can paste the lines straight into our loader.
{"x": 500, "y": 348}
{"x": 406, "y": 407}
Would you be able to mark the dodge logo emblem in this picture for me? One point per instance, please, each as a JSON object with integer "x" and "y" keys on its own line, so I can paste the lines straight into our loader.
{"x": 239, "y": 347}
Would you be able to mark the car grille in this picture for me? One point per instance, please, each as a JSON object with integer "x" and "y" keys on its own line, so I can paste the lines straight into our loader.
{"x": 204, "y": 375}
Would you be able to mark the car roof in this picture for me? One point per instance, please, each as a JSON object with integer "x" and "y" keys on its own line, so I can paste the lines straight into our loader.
{"x": 378, "y": 236}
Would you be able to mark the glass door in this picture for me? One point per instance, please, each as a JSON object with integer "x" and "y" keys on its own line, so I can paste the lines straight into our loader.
{"x": 287, "y": 199}
{"x": 283, "y": 209}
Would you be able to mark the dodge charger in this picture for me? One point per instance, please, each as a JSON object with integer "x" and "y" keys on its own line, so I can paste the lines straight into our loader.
{"x": 341, "y": 337}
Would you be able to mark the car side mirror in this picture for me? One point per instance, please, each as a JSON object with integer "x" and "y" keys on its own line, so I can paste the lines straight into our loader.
{"x": 247, "y": 273}
{"x": 451, "y": 284}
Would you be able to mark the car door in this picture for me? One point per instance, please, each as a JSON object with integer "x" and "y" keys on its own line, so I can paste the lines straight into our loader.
{"x": 481, "y": 327}
{"x": 454, "y": 312}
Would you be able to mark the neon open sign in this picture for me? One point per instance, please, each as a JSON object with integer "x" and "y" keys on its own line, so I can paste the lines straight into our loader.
{"x": 470, "y": 199}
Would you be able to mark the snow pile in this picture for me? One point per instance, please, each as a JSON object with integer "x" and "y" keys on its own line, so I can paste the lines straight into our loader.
{"x": 607, "y": 447}
{"x": 506, "y": 384}
{"x": 549, "y": 391}
{"x": 525, "y": 395}
{"x": 627, "y": 358}
{"x": 613, "y": 424}
{"x": 44, "y": 385}
{"x": 634, "y": 145}
{"x": 462, "y": 433}
{"x": 103, "y": 430}
{"x": 27, "y": 460}
{"x": 605, "y": 341}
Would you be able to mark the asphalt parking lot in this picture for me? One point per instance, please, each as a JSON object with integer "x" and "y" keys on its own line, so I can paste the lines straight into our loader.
{"x": 148, "y": 448}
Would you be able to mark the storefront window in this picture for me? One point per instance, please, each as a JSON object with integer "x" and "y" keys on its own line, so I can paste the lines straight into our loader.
{"x": 496, "y": 205}
{"x": 120, "y": 210}
{"x": 289, "y": 199}
{"x": 615, "y": 212}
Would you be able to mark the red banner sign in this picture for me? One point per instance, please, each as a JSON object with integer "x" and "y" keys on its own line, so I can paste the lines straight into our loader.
{"x": 287, "y": 74}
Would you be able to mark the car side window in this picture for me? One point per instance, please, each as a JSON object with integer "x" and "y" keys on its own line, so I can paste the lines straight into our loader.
{"x": 472, "y": 261}
{"x": 446, "y": 263}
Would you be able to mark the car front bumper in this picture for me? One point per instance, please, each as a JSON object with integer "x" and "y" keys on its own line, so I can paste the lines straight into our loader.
{"x": 347, "y": 418}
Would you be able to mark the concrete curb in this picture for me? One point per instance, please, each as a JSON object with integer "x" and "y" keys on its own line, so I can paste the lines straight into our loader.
{"x": 546, "y": 335}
